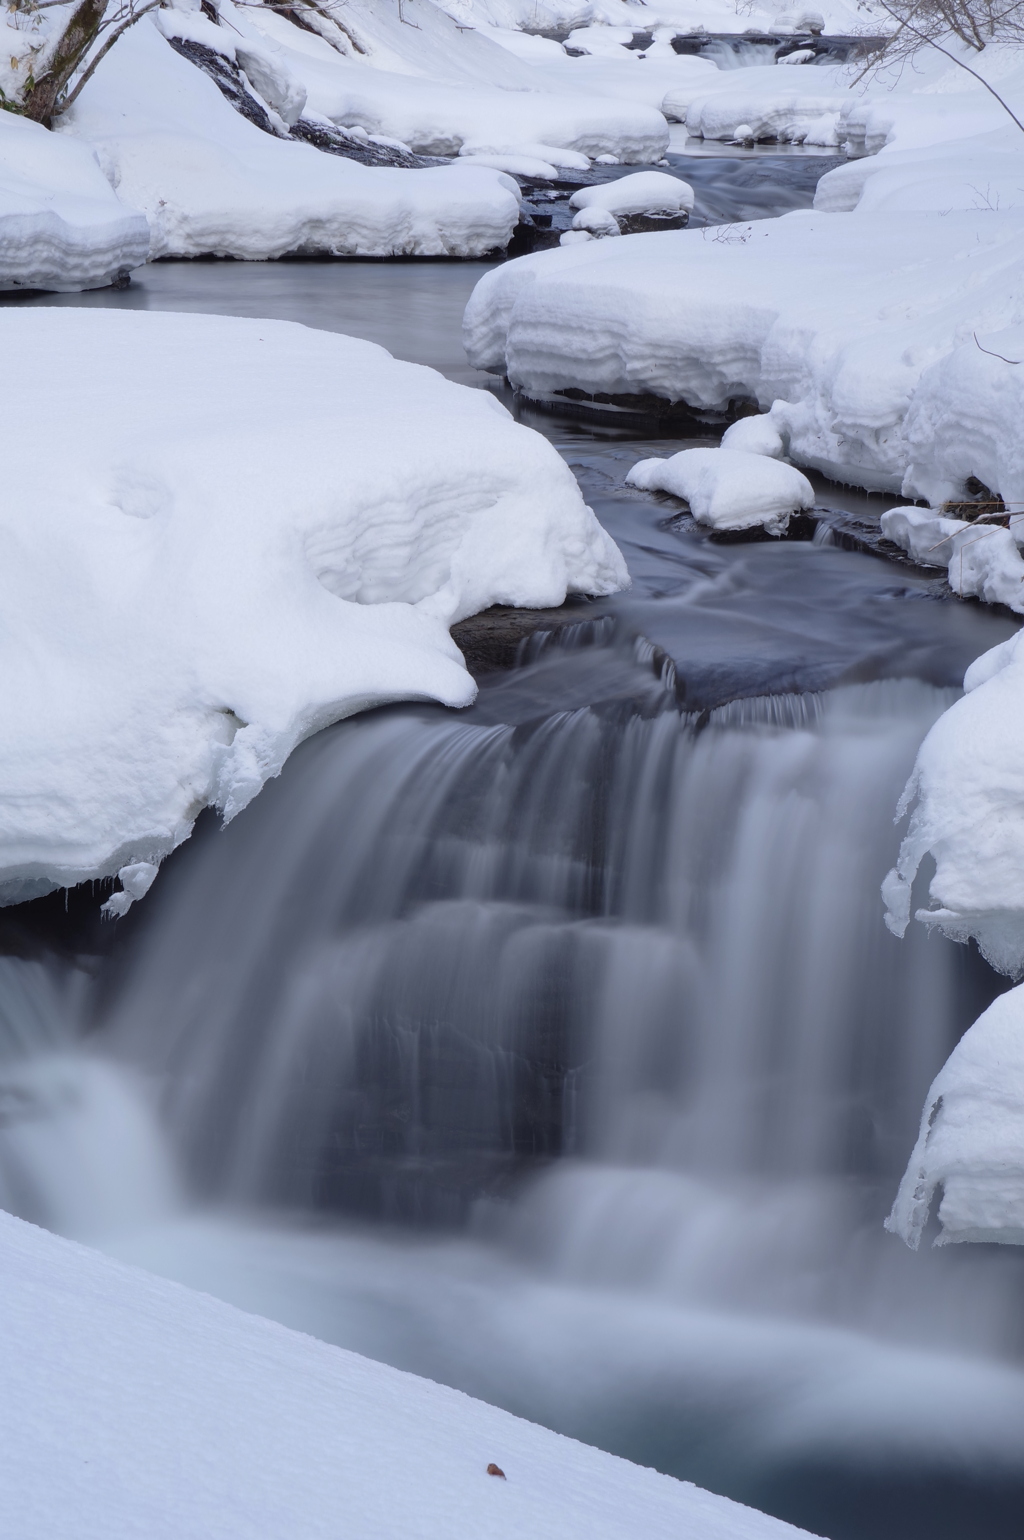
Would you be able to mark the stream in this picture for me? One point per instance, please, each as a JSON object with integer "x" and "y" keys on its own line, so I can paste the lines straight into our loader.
{"x": 555, "y": 1049}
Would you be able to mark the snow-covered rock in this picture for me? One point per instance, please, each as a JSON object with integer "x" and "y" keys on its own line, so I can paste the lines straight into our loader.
{"x": 223, "y": 535}
{"x": 133, "y": 1406}
{"x": 644, "y": 192}
{"x": 970, "y": 1145}
{"x": 211, "y": 182}
{"x": 61, "y": 225}
{"x": 596, "y": 221}
{"x": 728, "y": 488}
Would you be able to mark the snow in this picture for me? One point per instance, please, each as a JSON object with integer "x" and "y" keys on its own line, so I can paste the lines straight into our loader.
{"x": 597, "y": 222}
{"x": 970, "y": 1143}
{"x": 436, "y": 119}
{"x": 644, "y": 192}
{"x": 223, "y": 535}
{"x": 728, "y": 488}
{"x": 982, "y": 560}
{"x": 133, "y": 1406}
{"x": 210, "y": 182}
{"x": 438, "y": 88}
{"x": 854, "y": 331}
{"x": 967, "y": 794}
{"x": 773, "y": 104}
{"x": 61, "y": 225}
{"x": 628, "y": 76}
{"x": 757, "y": 435}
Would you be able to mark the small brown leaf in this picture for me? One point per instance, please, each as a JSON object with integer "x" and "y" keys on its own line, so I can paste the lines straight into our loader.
{"x": 495, "y": 1470}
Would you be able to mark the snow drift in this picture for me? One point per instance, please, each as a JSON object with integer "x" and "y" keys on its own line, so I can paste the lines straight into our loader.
{"x": 222, "y": 535}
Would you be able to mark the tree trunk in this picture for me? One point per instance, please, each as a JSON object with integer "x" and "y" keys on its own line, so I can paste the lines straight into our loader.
{"x": 41, "y": 100}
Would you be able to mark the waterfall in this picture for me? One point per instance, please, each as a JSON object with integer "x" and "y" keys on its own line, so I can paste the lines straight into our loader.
{"x": 558, "y": 1051}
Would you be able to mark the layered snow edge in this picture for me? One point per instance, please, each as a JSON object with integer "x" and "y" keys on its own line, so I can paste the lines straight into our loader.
{"x": 223, "y": 535}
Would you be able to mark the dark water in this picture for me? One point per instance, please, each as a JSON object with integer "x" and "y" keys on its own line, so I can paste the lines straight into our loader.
{"x": 555, "y": 1049}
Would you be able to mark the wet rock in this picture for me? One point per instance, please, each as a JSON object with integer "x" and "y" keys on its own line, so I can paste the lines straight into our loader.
{"x": 491, "y": 640}
{"x": 639, "y": 224}
{"x": 336, "y": 141}
{"x": 228, "y": 79}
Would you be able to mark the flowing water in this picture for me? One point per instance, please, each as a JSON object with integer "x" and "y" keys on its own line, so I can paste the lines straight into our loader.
{"x": 555, "y": 1048}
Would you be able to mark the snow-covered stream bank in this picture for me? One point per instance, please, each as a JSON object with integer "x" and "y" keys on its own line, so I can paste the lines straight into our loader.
{"x": 556, "y": 1049}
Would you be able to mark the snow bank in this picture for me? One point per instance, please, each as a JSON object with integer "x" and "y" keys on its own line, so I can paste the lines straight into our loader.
{"x": 223, "y": 535}
{"x": 437, "y": 88}
{"x": 61, "y": 225}
{"x": 435, "y": 119}
{"x": 773, "y": 103}
{"x": 133, "y": 1406}
{"x": 210, "y": 182}
{"x": 970, "y": 1141}
{"x": 728, "y": 488}
{"x": 854, "y": 330}
{"x": 982, "y": 560}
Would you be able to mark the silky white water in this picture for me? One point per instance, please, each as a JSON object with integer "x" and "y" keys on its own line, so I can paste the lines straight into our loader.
{"x": 568, "y": 1062}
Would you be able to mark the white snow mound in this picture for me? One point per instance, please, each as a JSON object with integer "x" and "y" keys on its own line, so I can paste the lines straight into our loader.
{"x": 644, "y": 192}
{"x": 967, "y": 791}
{"x": 728, "y": 488}
{"x": 970, "y": 1140}
{"x": 61, "y": 225}
{"x": 135, "y": 1407}
{"x": 758, "y": 435}
{"x": 222, "y": 535}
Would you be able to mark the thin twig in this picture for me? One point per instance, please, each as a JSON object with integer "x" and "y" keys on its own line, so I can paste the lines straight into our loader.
{"x": 996, "y": 355}
{"x": 952, "y": 56}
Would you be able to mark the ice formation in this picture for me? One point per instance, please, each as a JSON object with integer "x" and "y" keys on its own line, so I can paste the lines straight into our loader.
{"x": 133, "y": 1406}
{"x": 223, "y": 535}
{"x": 729, "y": 488}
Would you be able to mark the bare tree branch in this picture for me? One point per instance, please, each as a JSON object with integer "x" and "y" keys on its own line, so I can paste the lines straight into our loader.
{"x": 963, "y": 19}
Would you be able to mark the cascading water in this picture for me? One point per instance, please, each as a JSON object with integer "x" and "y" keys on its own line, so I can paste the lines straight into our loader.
{"x": 565, "y": 1057}
{"x": 556, "y": 1049}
